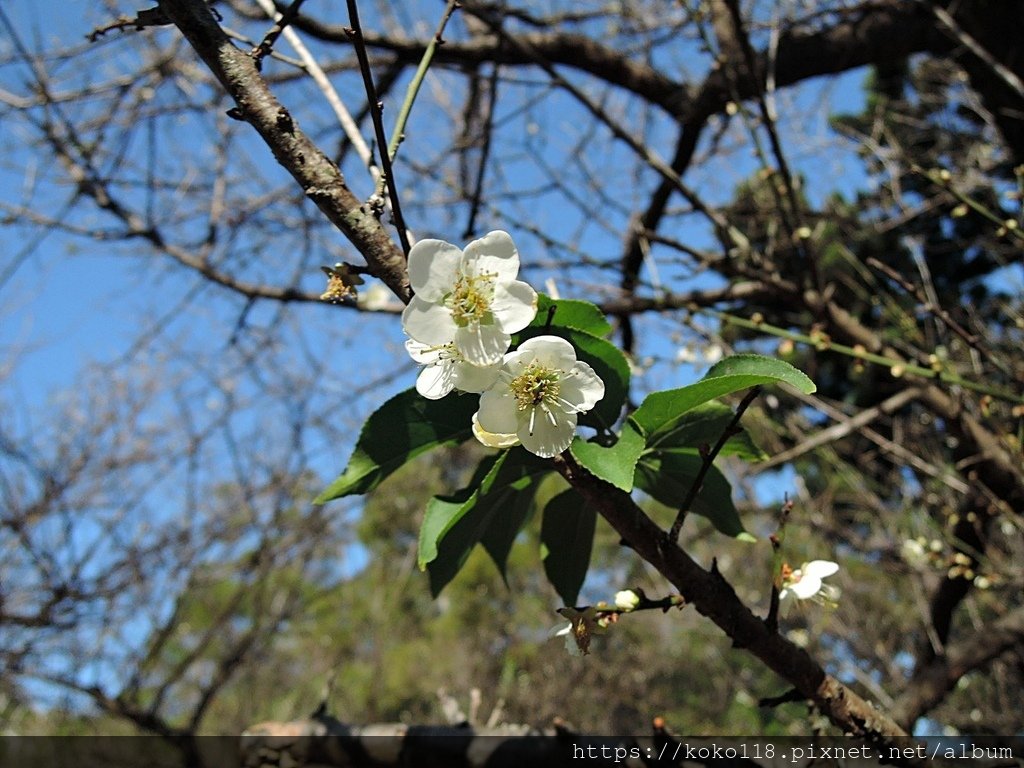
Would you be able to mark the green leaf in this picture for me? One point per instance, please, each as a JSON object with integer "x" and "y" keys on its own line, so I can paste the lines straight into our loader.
{"x": 501, "y": 534}
{"x": 567, "y": 537}
{"x": 611, "y": 365}
{"x": 502, "y": 489}
{"x": 613, "y": 463}
{"x": 667, "y": 478}
{"x": 443, "y": 512}
{"x": 401, "y": 429}
{"x": 570, "y": 313}
{"x": 660, "y": 409}
{"x": 704, "y": 425}
{"x": 759, "y": 366}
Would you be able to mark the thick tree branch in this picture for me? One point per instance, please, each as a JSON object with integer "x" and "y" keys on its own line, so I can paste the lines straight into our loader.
{"x": 715, "y": 598}
{"x": 987, "y": 37}
{"x": 886, "y": 30}
{"x": 317, "y": 174}
{"x": 934, "y": 680}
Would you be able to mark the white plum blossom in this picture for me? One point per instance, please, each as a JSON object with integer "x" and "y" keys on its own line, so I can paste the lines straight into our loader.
{"x": 571, "y": 644}
{"x": 540, "y": 390}
{"x": 583, "y": 624}
{"x": 445, "y": 369}
{"x": 914, "y": 553}
{"x": 710, "y": 355}
{"x": 468, "y": 298}
{"x": 805, "y": 583}
{"x": 377, "y": 298}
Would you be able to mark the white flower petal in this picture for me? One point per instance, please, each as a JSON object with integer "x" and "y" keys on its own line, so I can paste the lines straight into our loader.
{"x": 376, "y": 298}
{"x": 713, "y": 354}
{"x": 514, "y": 305}
{"x": 493, "y": 439}
{"x": 481, "y": 344}
{"x": 424, "y": 354}
{"x": 436, "y": 381}
{"x": 551, "y": 352}
{"x": 538, "y": 393}
{"x": 830, "y": 593}
{"x": 470, "y": 299}
{"x": 808, "y": 586}
{"x": 515, "y": 362}
{"x": 685, "y": 354}
{"x": 570, "y": 639}
{"x": 498, "y": 411}
{"x": 547, "y": 436}
{"x": 806, "y": 581}
{"x": 428, "y": 323}
{"x": 475, "y": 378}
{"x": 494, "y": 253}
{"x": 561, "y": 631}
{"x": 583, "y": 388}
{"x": 433, "y": 265}
{"x": 820, "y": 568}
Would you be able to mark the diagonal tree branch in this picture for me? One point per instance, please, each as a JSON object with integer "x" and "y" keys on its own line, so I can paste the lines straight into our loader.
{"x": 318, "y": 175}
{"x": 933, "y": 681}
{"x": 715, "y": 598}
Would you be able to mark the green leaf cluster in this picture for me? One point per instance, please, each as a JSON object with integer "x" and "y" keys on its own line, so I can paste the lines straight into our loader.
{"x": 658, "y": 449}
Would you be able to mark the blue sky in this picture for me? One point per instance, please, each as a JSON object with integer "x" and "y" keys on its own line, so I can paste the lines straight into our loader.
{"x": 72, "y": 302}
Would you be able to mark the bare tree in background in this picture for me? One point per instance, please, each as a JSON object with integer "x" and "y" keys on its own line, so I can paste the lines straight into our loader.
{"x": 664, "y": 160}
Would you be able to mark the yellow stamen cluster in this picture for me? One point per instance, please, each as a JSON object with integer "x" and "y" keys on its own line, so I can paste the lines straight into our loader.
{"x": 534, "y": 386}
{"x": 470, "y": 300}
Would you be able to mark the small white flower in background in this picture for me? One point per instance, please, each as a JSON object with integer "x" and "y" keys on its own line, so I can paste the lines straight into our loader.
{"x": 570, "y": 640}
{"x": 627, "y": 600}
{"x": 376, "y": 298}
{"x": 914, "y": 553}
{"x": 801, "y": 638}
{"x": 710, "y": 355}
{"x": 552, "y": 288}
{"x": 445, "y": 369}
{"x": 713, "y": 353}
{"x": 805, "y": 583}
{"x": 582, "y": 626}
{"x": 468, "y": 298}
{"x": 686, "y": 354}
{"x": 540, "y": 390}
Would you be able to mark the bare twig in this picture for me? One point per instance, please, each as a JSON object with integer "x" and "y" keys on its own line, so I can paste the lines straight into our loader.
{"x": 280, "y": 25}
{"x": 708, "y": 457}
{"x": 398, "y": 134}
{"x": 345, "y": 119}
{"x": 961, "y": 36}
{"x": 844, "y": 428}
{"x": 148, "y": 17}
{"x": 355, "y": 34}
{"x": 929, "y": 305}
{"x": 319, "y": 178}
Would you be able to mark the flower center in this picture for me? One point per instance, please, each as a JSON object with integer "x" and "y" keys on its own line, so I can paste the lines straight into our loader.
{"x": 534, "y": 386}
{"x": 790, "y": 576}
{"x": 470, "y": 300}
